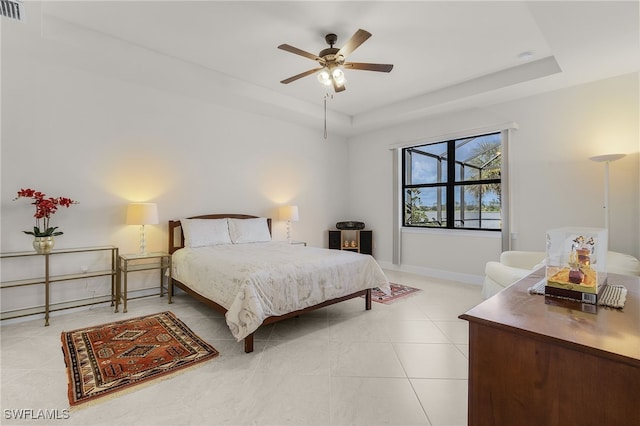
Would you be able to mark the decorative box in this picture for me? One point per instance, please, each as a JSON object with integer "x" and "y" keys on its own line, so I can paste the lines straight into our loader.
{"x": 576, "y": 263}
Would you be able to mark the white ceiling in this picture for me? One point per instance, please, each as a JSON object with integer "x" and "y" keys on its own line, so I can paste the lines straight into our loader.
{"x": 447, "y": 55}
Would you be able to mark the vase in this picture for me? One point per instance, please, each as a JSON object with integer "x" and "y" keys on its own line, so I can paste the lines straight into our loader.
{"x": 43, "y": 245}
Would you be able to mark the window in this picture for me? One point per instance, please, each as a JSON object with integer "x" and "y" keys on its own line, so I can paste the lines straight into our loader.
{"x": 454, "y": 184}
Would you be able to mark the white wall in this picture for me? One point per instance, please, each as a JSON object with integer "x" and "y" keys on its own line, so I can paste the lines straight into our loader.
{"x": 553, "y": 182}
{"x": 105, "y": 141}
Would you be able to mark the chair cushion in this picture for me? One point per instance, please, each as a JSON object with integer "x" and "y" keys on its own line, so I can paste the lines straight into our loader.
{"x": 504, "y": 275}
{"x": 522, "y": 259}
{"x": 623, "y": 264}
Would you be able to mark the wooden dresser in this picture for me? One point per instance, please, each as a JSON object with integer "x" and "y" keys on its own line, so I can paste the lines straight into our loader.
{"x": 534, "y": 361}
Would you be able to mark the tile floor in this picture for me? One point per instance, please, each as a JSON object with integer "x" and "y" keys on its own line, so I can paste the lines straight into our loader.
{"x": 398, "y": 364}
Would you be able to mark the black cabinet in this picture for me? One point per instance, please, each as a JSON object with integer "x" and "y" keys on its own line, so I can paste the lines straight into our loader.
{"x": 360, "y": 241}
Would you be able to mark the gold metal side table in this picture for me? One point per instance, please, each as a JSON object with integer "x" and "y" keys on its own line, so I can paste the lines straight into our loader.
{"x": 31, "y": 276}
{"x": 142, "y": 262}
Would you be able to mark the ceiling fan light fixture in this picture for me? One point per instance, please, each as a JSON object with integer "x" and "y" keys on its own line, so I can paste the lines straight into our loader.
{"x": 338, "y": 76}
{"x": 324, "y": 77}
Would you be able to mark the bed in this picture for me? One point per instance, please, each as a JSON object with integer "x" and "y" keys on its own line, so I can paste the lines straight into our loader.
{"x": 230, "y": 262}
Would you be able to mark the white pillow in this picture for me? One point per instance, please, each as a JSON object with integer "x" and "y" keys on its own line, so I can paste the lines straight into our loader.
{"x": 205, "y": 232}
{"x": 249, "y": 230}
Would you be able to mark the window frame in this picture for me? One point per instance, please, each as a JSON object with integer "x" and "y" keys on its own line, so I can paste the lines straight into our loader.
{"x": 451, "y": 184}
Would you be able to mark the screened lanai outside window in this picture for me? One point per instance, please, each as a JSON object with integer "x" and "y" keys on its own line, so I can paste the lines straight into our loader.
{"x": 454, "y": 184}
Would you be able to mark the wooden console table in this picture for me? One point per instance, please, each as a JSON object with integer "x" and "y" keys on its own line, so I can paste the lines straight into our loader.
{"x": 534, "y": 361}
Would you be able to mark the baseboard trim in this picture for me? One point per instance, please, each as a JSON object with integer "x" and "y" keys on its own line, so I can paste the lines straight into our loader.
{"x": 434, "y": 273}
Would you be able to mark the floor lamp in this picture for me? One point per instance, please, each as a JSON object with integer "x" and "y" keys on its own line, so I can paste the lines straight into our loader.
{"x": 606, "y": 159}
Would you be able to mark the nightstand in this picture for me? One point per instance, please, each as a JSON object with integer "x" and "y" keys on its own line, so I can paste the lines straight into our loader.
{"x": 357, "y": 240}
{"x": 142, "y": 262}
{"x": 299, "y": 242}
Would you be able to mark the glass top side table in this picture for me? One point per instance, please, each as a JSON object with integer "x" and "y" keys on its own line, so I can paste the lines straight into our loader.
{"x": 134, "y": 262}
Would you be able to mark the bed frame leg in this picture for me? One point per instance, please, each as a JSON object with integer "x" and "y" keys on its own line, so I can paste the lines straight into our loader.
{"x": 248, "y": 343}
{"x": 367, "y": 300}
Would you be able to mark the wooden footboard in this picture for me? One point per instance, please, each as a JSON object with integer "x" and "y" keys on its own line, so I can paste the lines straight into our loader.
{"x": 248, "y": 341}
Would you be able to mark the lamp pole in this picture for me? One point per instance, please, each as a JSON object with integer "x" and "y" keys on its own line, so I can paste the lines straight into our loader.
{"x": 606, "y": 159}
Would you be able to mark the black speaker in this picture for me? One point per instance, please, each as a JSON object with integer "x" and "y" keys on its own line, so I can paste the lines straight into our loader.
{"x": 350, "y": 225}
{"x": 334, "y": 240}
{"x": 366, "y": 242}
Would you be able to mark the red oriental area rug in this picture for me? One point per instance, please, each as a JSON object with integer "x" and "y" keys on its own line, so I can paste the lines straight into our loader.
{"x": 113, "y": 357}
{"x": 397, "y": 291}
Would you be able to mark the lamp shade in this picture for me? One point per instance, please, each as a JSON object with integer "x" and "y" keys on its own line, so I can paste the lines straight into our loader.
{"x": 142, "y": 214}
{"x": 289, "y": 213}
{"x": 607, "y": 158}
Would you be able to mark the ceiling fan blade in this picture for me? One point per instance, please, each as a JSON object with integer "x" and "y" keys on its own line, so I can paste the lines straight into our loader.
{"x": 302, "y": 74}
{"x": 301, "y": 52}
{"x": 356, "y": 40}
{"x": 368, "y": 67}
{"x": 338, "y": 87}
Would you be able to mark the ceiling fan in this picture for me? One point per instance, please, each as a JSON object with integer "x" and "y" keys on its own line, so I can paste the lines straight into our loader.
{"x": 333, "y": 60}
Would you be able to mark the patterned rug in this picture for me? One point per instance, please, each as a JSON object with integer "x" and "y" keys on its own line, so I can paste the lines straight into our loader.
{"x": 113, "y": 357}
{"x": 397, "y": 291}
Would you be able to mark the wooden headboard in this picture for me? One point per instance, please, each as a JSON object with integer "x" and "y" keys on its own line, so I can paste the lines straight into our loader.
{"x": 176, "y": 237}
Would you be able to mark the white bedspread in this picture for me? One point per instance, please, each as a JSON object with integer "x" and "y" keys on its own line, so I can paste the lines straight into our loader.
{"x": 258, "y": 280}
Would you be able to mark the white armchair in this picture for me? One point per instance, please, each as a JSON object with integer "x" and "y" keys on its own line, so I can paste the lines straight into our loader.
{"x": 514, "y": 265}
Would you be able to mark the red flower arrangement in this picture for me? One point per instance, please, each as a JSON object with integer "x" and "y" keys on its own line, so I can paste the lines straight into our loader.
{"x": 45, "y": 208}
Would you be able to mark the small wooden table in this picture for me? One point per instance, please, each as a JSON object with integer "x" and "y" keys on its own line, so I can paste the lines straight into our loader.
{"x": 534, "y": 361}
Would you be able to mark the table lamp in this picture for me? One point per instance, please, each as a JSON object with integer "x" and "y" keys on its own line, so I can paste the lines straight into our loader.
{"x": 290, "y": 214}
{"x": 142, "y": 214}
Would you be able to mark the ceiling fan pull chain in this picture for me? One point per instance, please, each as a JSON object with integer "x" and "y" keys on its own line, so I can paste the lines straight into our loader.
{"x": 326, "y": 95}
{"x": 325, "y": 116}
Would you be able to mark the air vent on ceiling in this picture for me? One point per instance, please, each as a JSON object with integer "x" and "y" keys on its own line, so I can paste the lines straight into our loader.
{"x": 12, "y": 9}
